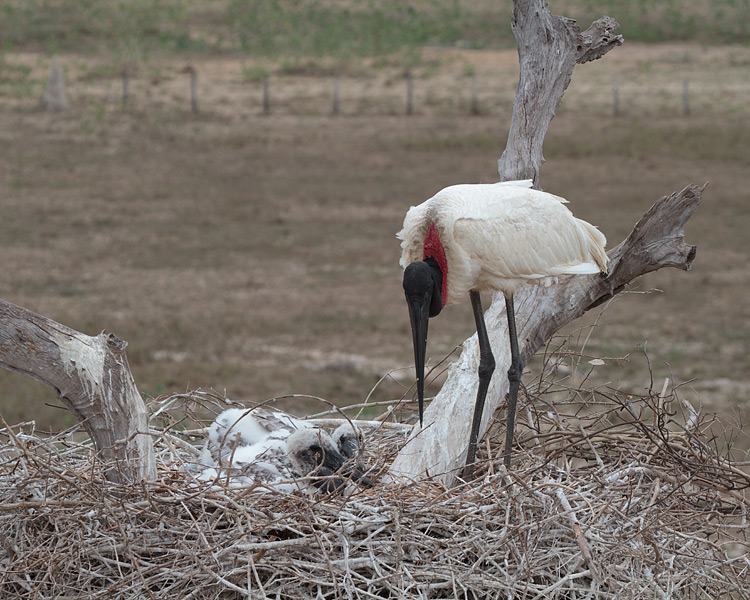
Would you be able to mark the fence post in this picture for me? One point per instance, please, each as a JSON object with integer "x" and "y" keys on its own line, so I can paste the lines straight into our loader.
{"x": 125, "y": 87}
{"x": 409, "y": 93}
{"x": 55, "y": 98}
{"x": 615, "y": 96}
{"x": 336, "y": 94}
{"x": 266, "y": 97}
{"x": 474, "y": 99}
{"x": 193, "y": 89}
{"x": 685, "y": 97}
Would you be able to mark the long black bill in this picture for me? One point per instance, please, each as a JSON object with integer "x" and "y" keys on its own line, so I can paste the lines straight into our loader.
{"x": 419, "y": 313}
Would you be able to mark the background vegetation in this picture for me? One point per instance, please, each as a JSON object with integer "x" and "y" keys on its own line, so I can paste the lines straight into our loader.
{"x": 138, "y": 28}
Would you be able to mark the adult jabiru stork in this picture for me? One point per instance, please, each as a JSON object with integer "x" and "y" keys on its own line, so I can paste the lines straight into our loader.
{"x": 488, "y": 237}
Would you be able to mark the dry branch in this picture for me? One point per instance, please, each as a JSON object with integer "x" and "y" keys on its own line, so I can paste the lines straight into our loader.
{"x": 549, "y": 47}
{"x": 92, "y": 377}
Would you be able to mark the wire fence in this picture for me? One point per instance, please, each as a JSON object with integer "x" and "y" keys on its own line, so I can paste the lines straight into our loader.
{"x": 229, "y": 87}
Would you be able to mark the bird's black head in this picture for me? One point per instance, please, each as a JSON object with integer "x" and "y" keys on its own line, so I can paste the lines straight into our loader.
{"x": 314, "y": 454}
{"x": 423, "y": 283}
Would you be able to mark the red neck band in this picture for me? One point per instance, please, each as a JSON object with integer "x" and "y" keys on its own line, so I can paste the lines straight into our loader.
{"x": 433, "y": 247}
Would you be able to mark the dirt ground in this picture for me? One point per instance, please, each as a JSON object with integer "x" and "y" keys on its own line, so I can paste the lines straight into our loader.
{"x": 256, "y": 254}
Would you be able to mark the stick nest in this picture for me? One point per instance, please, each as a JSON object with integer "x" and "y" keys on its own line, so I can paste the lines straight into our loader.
{"x": 610, "y": 496}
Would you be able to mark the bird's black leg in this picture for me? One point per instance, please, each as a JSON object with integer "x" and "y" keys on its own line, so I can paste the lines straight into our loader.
{"x": 486, "y": 367}
{"x": 514, "y": 378}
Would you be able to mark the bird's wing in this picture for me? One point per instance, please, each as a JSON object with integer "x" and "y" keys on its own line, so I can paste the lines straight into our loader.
{"x": 527, "y": 238}
{"x": 266, "y": 462}
{"x": 278, "y": 423}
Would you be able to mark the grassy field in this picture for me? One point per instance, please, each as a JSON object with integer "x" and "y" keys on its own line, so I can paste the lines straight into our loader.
{"x": 256, "y": 254}
{"x": 138, "y": 29}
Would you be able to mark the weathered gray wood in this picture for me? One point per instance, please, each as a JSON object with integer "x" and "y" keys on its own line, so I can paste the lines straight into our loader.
{"x": 598, "y": 39}
{"x": 92, "y": 377}
{"x": 549, "y": 47}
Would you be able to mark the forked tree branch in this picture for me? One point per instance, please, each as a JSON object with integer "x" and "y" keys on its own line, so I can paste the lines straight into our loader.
{"x": 549, "y": 47}
{"x": 92, "y": 377}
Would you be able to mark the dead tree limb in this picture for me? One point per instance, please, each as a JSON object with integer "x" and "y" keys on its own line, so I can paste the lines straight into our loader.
{"x": 92, "y": 377}
{"x": 549, "y": 47}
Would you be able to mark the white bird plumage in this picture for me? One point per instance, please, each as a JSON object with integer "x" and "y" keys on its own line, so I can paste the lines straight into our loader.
{"x": 471, "y": 238}
{"x": 243, "y": 428}
{"x": 274, "y": 448}
{"x": 499, "y": 236}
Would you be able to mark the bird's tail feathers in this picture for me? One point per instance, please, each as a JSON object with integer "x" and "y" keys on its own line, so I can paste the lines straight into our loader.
{"x": 588, "y": 268}
{"x": 596, "y": 247}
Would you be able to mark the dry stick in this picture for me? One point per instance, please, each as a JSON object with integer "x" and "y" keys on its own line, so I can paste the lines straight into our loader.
{"x": 580, "y": 539}
{"x": 17, "y": 444}
{"x": 591, "y": 446}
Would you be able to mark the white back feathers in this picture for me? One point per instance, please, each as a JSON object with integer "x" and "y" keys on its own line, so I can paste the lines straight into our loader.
{"x": 499, "y": 236}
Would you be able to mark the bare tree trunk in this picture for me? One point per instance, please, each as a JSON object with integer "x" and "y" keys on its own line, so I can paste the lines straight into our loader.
{"x": 92, "y": 377}
{"x": 549, "y": 47}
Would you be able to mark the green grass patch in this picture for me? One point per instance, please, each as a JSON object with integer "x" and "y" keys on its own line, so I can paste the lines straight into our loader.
{"x": 135, "y": 29}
